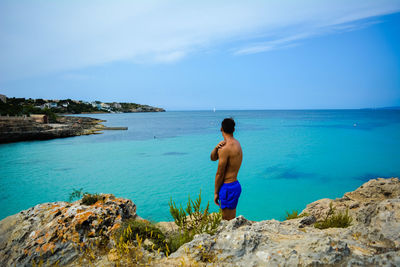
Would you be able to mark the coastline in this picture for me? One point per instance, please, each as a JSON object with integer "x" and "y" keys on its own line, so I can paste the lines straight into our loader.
{"x": 104, "y": 112}
{"x": 16, "y": 129}
{"x": 23, "y": 128}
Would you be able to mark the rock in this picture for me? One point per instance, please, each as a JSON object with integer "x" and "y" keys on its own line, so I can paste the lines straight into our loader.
{"x": 367, "y": 195}
{"x": 57, "y": 232}
{"x": 167, "y": 227}
{"x": 13, "y": 129}
{"x": 307, "y": 221}
{"x": 372, "y": 240}
{"x": 148, "y": 243}
{"x": 113, "y": 255}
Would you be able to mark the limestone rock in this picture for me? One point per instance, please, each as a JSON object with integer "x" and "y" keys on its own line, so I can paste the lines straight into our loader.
{"x": 308, "y": 220}
{"x": 359, "y": 201}
{"x": 372, "y": 240}
{"x": 57, "y": 232}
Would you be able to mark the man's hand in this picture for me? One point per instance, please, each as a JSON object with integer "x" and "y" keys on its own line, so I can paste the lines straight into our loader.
{"x": 220, "y": 144}
{"x": 216, "y": 198}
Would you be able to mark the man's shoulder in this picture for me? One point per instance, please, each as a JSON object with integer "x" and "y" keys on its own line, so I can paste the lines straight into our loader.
{"x": 235, "y": 143}
{"x": 228, "y": 148}
{"x": 224, "y": 150}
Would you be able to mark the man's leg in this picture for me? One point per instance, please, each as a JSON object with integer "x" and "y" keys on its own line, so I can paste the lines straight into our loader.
{"x": 228, "y": 214}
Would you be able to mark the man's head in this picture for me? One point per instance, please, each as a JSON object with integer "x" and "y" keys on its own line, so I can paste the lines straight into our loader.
{"x": 228, "y": 126}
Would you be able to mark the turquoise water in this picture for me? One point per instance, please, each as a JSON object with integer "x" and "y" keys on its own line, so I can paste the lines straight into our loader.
{"x": 291, "y": 158}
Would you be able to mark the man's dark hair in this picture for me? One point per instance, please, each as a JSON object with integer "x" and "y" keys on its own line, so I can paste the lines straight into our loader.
{"x": 228, "y": 125}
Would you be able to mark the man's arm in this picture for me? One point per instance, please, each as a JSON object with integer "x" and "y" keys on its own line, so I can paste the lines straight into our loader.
{"x": 214, "y": 152}
{"x": 219, "y": 177}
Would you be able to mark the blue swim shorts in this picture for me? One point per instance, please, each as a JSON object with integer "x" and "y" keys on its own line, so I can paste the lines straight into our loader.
{"x": 229, "y": 195}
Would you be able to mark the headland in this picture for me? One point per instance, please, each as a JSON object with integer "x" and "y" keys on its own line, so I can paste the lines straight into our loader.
{"x": 41, "y": 119}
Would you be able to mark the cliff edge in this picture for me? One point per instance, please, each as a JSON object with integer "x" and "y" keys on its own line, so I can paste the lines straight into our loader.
{"x": 14, "y": 129}
{"x": 62, "y": 233}
{"x": 372, "y": 239}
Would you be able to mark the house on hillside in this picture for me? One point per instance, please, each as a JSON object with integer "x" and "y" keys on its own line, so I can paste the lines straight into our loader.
{"x": 45, "y": 105}
{"x": 3, "y": 98}
{"x": 96, "y": 105}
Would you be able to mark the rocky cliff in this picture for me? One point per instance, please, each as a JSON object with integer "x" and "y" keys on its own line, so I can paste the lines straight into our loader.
{"x": 61, "y": 232}
{"x": 13, "y": 129}
{"x": 373, "y": 239}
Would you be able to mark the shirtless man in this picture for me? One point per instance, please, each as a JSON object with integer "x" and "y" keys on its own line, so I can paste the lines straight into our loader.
{"x": 227, "y": 187}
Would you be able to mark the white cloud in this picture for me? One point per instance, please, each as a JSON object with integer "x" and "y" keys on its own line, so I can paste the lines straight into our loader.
{"x": 38, "y": 37}
{"x": 290, "y": 41}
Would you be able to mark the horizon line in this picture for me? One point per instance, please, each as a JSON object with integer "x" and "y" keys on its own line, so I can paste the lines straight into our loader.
{"x": 287, "y": 109}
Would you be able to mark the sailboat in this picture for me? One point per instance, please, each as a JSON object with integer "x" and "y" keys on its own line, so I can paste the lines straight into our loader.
{"x": 214, "y": 109}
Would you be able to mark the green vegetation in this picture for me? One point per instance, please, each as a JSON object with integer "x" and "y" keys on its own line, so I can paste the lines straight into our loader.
{"x": 193, "y": 220}
{"x": 76, "y": 194}
{"x": 135, "y": 235}
{"x": 21, "y": 106}
{"x": 126, "y": 107}
{"x": 134, "y": 229}
{"x": 51, "y": 116}
{"x": 90, "y": 199}
{"x": 130, "y": 240}
{"x": 77, "y": 107}
{"x": 87, "y": 198}
{"x": 333, "y": 219}
{"x": 294, "y": 215}
{"x": 176, "y": 240}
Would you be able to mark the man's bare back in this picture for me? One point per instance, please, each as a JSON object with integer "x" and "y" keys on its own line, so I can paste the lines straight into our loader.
{"x": 232, "y": 150}
{"x": 229, "y": 155}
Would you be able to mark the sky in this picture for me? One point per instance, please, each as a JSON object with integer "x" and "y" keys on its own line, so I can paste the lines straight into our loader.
{"x": 197, "y": 55}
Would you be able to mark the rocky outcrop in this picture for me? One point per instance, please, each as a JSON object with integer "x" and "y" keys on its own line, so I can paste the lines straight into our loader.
{"x": 144, "y": 108}
{"x": 373, "y": 239}
{"x": 13, "y": 129}
{"x": 60, "y": 232}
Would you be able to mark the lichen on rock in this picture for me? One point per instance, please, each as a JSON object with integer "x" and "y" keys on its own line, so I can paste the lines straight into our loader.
{"x": 58, "y": 232}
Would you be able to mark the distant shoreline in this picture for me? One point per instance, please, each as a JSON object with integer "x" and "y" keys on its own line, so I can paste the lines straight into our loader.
{"x": 18, "y": 128}
{"x": 102, "y": 112}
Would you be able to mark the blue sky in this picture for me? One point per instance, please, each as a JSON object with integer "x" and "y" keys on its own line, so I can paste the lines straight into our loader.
{"x": 187, "y": 55}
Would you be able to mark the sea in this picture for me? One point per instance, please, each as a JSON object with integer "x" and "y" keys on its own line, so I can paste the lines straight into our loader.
{"x": 290, "y": 159}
